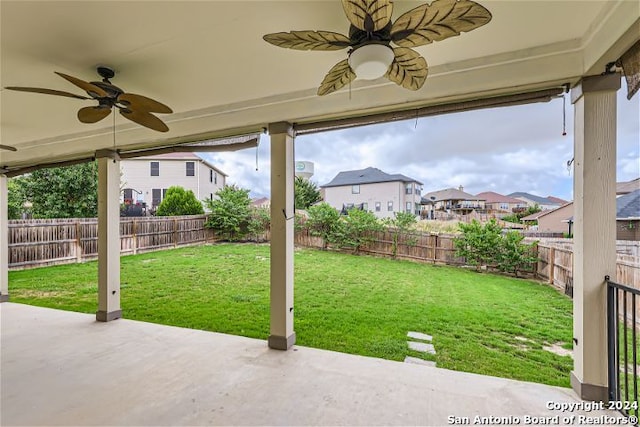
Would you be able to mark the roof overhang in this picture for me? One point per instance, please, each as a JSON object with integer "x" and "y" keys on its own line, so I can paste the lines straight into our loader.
{"x": 207, "y": 60}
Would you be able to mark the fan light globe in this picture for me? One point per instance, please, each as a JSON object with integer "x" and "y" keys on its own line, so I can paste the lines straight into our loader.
{"x": 371, "y": 61}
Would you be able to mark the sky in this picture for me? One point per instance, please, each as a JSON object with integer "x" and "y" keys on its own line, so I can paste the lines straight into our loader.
{"x": 504, "y": 150}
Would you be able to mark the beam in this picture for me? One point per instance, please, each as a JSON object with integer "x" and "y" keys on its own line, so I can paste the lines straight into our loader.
{"x": 282, "y": 336}
{"x": 594, "y": 242}
{"x": 108, "y": 236}
{"x": 4, "y": 239}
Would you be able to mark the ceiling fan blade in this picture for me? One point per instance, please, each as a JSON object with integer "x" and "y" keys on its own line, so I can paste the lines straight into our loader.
{"x": 438, "y": 21}
{"x": 8, "y": 148}
{"x": 408, "y": 69}
{"x": 93, "y": 114}
{"x": 46, "y": 91}
{"x": 145, "y": 119}
{"x": 309, "y": 40}
{"x": 142, "y": 103}
{"x": 368, "y": 15}
{"x": 338, "y": 76}
{"x": 91, "y": 89}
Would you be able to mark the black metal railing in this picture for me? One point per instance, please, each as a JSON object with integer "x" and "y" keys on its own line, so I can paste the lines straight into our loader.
{"x": 622, "y": 347}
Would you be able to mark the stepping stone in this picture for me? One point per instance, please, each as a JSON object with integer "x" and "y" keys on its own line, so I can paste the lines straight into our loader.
{"x": 419, "y": 336}
{"x": 416, "y": 361}
{"x": 421, "y": 347}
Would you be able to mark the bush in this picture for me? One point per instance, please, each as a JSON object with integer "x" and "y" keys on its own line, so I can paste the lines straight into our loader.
{"x": 259, "y": 222}
{"x": 399, "y": 226}
{"x": 179, "y": 201}
{"x": 487, "y": 246}
{"x": 230, "y": 213}
{"x": 323, "y": 222}
{"x": 356, "y": 229}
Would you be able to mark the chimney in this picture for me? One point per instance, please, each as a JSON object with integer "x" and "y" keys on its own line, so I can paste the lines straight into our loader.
{"x": 461, "y": 188}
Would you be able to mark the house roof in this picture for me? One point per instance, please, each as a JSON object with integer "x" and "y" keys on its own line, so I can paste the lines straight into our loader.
{"x": 557, "y": 200}
{"x": 366, "y": 176}
{"x": 448, "y": 194}
{"x": 178, "y": 156}
{"x": 628, "y": 206}
{"x": 550, "y": 211}
{"x": 260, "y": 201}
{"x": 537, "y": 199}
{"x": 627, "y": 186}
{"x": 492, "y": 197}
{"x": 534, "y": 216}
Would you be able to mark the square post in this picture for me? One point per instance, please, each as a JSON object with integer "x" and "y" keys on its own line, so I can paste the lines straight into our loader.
{"x": 282, "y": 336}
{"x": 4, "y": 239}
{"x": 594, "y": 241}
{"x": 108, "y": 236}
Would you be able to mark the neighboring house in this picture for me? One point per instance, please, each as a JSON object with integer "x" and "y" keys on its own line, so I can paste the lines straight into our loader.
{"x": 262, "y": 202}
{"x": 556, "y": 220}
{"x": 531, "y": 199}
{"x": 532, "y": 219}
{"x": 373, "y": 190}
{"x": 557, "y": 200}
{"x": 627, "y": 187}
{"x": 146, "y": 179}
{"x": 451, "y": 200}
{"x": 628, "y": 216}
{"x": 497, "y": 203}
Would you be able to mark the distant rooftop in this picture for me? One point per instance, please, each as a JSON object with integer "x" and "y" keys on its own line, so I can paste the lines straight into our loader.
{"x": 493, "y": 197}
{"x": 449, "y": 194}
{"x": 628, "y": 186}
{"x": 537, "y": 199}
{"x": 366, "y": 176}
{"x": 628, "y": 206}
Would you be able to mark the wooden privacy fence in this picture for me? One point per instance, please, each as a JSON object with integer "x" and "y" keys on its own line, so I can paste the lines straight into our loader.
{"x": 40, "y": 242}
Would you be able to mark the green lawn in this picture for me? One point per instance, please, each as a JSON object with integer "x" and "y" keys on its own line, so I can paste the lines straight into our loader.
{"x": 481, "y": 323}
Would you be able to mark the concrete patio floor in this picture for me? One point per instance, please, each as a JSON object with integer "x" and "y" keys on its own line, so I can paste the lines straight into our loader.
{"x": 64, "y": 368}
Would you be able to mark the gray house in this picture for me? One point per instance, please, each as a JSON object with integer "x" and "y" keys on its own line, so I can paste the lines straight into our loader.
{"x": 374, "y": 190}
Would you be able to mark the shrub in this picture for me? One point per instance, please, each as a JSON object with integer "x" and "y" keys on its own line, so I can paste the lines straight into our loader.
{"x": 324, "y": 222}
{"x": 357, "y": 228}
{"x": 259, "y": 222}
{"x": 399, "y": 226}
{"x": 514, "y": 255}
{"x": 479, "y": 244}
{"x": 179, "y": 201}
{"x": 230, "y": 213}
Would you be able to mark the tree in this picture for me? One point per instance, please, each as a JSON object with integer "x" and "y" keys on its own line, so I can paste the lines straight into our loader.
{"x": 357, "y": 229}
{"x": 179, "y": 201}
{"x": 16, "y": 198}
{"x": 306, "y": 193}
{"x": 65, "y": 192}
{"x": 515, "y": 256}
{"x": 230, "y": 212}
{"x": 259, "y": 222}
{"x": 399, "y": 226}
{"x": 324, "y": 222}
{"x": 479, "y": 244}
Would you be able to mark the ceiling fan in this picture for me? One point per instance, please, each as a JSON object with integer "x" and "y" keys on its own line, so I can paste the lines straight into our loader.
{"x": 371, "y": 34}
{"x": 136, "y": 108}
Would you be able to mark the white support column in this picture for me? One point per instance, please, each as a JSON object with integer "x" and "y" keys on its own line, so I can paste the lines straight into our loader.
{"x": 282, "y": 336}
{"x": 108, "y": 236}
{"x": 4, "y": 239}
{"x": 594, "y": 242}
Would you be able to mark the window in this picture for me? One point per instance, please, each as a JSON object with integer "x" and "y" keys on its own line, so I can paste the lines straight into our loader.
{"x": 191, "y": 169}
{"x": 210, "y": 196}
{"x": 128, "y": 195}
{"x": 155, "y": 168}
{"x": 365, "y": 206}
{"x": 418, "y": 189}
{"x": 408, "y": 207}
{"x": 390, "y": 206}
{"x": 156, "y": 197}
{"x": 164, "y": 193}
{"x": 408, "y": 188}
{"x": 210, "y": 175}
{"x": 378, "y": 206}
{"x": 215, "y": 178}
{"x": 355, "y": 189}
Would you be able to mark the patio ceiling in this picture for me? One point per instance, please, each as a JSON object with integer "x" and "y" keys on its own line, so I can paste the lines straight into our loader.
{"x": 207, "y": 60}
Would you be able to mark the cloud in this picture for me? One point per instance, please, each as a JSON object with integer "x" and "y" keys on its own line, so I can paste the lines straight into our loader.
{"x": 505, "y": 150}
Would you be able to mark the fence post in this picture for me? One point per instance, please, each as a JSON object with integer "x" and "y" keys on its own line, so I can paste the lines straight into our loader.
{"x": 552, "y": 264}
{"x": 134, "y": 237}
{"x": 175, "y": 232}
{"x": 78, "y": 241}
{"x": 435, "y": 249}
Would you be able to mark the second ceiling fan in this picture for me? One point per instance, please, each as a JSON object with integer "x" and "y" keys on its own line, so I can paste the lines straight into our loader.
{"x": 372, "y": 32}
